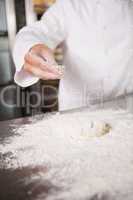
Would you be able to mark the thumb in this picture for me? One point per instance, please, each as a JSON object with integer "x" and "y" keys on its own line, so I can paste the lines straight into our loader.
{"x": 44, "y": 52}
{"x": 48, "y": 56}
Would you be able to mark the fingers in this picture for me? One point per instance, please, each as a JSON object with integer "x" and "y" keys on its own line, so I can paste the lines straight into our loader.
{"x": 40, "y": 62}
{"x": 44, "y": 52}
{"x": 38, "y": 72}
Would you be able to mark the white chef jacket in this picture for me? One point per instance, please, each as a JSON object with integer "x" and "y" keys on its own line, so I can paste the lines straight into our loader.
{"x": 97, "y": 37}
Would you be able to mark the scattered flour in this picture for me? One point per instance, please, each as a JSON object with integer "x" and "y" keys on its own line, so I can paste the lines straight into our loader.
{"x": 82, "y": 166}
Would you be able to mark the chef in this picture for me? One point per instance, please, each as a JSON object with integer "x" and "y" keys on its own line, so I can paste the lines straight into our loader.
{"x": 97, "y": 40}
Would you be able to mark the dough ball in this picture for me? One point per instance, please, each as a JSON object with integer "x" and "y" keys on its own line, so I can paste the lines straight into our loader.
{"x": 101, "y": 128}
{"x": 96, "y": 129}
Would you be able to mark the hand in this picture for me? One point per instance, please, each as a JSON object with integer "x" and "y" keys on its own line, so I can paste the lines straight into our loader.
{"x": 40, "y": 62}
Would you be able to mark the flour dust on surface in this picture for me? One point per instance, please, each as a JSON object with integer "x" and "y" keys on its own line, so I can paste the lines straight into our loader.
{"x": 81, "y": 164}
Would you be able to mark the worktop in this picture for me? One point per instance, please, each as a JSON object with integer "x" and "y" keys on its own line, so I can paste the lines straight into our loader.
{"x": 66, "y": 178}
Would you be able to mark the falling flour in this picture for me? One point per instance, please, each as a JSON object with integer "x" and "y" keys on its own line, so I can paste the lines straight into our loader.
{"x": 81, "y": 163}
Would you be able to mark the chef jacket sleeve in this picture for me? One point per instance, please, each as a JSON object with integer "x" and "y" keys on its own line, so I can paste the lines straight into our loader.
{"x": 50, "y": 30}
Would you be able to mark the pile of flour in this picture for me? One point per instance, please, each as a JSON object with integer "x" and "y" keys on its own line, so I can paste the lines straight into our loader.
{"x": 82, "y": 166}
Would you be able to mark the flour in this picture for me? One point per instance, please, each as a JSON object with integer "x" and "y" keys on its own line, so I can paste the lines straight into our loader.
{"x": 82, "y": 166}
